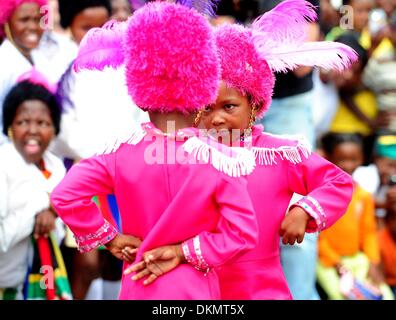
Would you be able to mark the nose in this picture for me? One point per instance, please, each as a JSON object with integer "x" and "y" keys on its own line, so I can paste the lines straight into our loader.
{"x": 218, "y": 119}
{"x": 33, "y": 128}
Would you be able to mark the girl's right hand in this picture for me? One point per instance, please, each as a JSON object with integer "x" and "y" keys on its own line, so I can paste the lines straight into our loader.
{"x": 45, "y": 223}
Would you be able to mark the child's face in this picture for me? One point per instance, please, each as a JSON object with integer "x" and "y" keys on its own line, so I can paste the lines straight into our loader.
{"x": 121, "y": 10}
{"x": 25, "y": 26}
{"x": 350, "y": 78}
{"x": 386, "y": 168}
{"x": 89, "y": 18}
{"x": 32, "y": 130}
{"x": 230, "y": 111}
{"x": 361, "y": 10}
{"x": 348, "y": 156}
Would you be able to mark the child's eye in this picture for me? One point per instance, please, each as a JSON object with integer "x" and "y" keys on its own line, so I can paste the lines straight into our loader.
{"x": 22, "y": 122}
{"x": 44, "y": 124}
{"x": 208, "y": 108}
{"x": 229, "y": 107}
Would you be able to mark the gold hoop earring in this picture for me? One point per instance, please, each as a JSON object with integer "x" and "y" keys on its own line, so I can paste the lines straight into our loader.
{"x": 252, "y": 117}
{"x": 10, "y": 134}
{"x": 198, "y": 118}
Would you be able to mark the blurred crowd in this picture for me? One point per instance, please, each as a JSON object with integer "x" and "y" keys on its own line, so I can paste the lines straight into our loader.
{"x": 349, "y": 118}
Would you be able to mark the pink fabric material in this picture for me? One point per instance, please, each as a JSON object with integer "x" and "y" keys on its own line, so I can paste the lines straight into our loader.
{"x": 257, "y": 274}
{"x": 162, "y": 204}
{"x": 7, "y": 8}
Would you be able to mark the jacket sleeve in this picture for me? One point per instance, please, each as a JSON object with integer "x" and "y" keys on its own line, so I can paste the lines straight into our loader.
{"x": 17, "y": 222}
{"x": 72, "y": 199}
{"x": 327, "y": 190}
{"x": 236, "y": 232}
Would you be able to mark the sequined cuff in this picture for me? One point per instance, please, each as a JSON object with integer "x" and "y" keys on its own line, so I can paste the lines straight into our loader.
{"x": 193, "y": 254}
{"x": 93, "y": 240}
{"x": 314, "y": 209}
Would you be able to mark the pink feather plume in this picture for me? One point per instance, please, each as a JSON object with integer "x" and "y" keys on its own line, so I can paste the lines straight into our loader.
{"x": 324, "y": 54}
{"x": 280, "y": 34}
{"x": 102, "y": 47}
{"x": 287, "y": 22}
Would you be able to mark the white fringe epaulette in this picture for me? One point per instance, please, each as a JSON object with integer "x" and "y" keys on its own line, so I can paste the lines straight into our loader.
{"x": 132, "y": 138}
{"x": 234, "y": 162}
{"x": 268, "y": 156}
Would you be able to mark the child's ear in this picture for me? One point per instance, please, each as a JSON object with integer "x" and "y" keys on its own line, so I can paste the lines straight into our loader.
{"x": 321, "y": 152}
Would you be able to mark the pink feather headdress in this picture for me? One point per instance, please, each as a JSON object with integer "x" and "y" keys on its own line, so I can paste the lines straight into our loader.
{"x": 169, "y": 53}
{"x": 7, "y": 8}
{"x": 276, "y": 42}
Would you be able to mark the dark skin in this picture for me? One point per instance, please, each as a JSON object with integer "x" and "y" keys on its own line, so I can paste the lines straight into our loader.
{"x": 361, "y": 10}
{"x": 387, "y": 5}
{"x": 24, "y": 28}
{"x": 32, "y": 130}
{"x": 93, "y": 17}
{"x": 121, "y": 10}
{"x": 349, "y": 156}
{"x": 231, "y": 111}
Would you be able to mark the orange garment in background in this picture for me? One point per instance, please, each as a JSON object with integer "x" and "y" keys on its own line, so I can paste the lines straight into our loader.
{"x": 388, "y": 255}
{"x": 355, "y": 231}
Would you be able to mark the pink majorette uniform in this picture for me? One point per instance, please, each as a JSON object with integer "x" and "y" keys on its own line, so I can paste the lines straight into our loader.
{"x": 249, "y": 56}
{"x": 284, "y": 165}
{"x": 170, "y": 188}
{"x": 162, "y": 204}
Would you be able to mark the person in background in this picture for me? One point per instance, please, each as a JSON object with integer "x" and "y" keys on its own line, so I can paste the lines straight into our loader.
{"x": 20, "y": 25}
{"x": 28, "y": 173}
{"x": 378, "y": 178}
{"x": 387, "y": 242}
{"x": 351, "y": 244}
{"x": 357, "y": 107}
{"x": 121, "y": 9}
{"x": 379, "y": 76}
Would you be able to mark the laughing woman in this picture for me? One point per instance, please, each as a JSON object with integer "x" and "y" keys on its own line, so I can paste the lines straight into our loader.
{"x": 20, "y": 25}
{"x": 28, "y": 173}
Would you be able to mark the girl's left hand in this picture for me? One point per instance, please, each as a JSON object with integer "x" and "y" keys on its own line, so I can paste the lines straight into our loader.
{"x": 294, "y": 225}
{"x": 156, "y": 262}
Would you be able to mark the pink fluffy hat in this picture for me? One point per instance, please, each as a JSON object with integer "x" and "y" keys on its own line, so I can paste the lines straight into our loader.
{"x": 275, "y": 42}
{"x": 7, "y": 8}
{"x": 169, "y": 53}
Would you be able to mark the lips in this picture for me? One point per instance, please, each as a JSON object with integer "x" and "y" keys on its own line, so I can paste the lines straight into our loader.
{"x": 32, "y": 38}
{"x": 32, "y": 146}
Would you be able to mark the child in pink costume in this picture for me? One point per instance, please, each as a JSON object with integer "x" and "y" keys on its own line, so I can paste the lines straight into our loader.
{"x": 170, "y": 185}
{"x": 284, "y": 164}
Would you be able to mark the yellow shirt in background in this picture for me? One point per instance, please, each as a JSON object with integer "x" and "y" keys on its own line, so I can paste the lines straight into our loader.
{"x": 355, "y": 231}
{"x": 345, "y": 121}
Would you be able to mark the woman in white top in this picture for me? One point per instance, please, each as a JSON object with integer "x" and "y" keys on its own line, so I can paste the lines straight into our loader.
{"x": 21, "y": 22}
{"x": 28, "y": 173}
